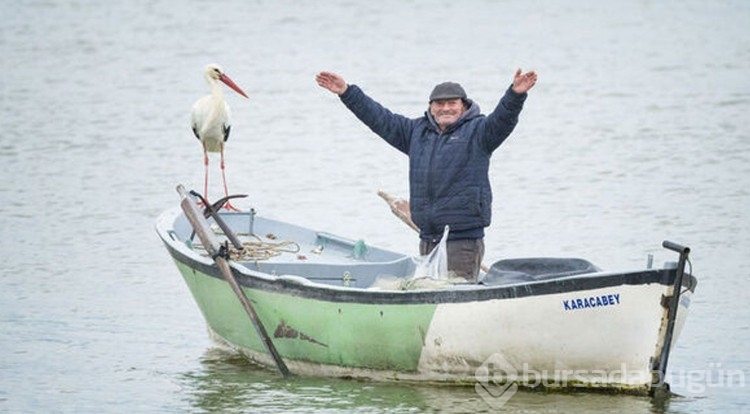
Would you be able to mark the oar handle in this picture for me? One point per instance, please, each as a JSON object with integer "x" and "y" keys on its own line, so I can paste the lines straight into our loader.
{"x": 199, "y": 223}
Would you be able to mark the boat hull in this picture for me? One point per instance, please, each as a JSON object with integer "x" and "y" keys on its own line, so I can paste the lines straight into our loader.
{"x": 595, "y": 331}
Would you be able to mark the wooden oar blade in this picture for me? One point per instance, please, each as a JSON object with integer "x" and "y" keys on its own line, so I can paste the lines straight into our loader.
{"x": 399, "y": 207}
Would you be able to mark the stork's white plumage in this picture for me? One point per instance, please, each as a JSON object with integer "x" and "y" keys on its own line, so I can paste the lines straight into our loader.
{"x": 210, "y": 121}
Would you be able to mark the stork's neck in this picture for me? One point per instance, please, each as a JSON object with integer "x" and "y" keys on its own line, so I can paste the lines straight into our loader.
{"x": 216, "y": 91}
{"x": 217, "y": 96}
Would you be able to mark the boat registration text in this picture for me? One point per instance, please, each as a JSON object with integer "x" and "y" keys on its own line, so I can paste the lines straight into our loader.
{"x": 591, "y": 302}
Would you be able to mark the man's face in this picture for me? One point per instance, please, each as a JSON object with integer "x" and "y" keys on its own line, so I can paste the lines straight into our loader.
{"x": 446, "y": 111}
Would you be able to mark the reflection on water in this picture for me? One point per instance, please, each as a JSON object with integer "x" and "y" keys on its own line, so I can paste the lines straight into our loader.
{"x": 227, "y": 382}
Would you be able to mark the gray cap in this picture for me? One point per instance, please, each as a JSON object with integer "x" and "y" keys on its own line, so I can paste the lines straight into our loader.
{"x": 447, "y": 90}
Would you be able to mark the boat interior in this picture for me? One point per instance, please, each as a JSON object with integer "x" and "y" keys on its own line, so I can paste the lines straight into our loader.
{"x": 283, "y": 249}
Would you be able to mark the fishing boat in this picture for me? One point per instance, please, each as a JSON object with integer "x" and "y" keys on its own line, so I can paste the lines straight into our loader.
{"x": 309, "y": 302}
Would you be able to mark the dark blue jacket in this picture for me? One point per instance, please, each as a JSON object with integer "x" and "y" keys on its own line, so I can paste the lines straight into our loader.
{"x": 448, "y": 172}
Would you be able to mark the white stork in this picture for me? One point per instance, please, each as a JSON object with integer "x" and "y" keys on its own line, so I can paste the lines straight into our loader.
{"x": 210, "y": 121}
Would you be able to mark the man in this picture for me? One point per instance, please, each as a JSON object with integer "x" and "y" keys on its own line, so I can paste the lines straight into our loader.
{"x": 449, "y": 151}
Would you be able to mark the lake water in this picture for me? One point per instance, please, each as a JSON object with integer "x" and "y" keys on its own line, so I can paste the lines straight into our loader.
{"x": 636, "y": 132}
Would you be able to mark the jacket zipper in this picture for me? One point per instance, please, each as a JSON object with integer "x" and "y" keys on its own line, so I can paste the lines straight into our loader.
{"x": 430, "y": 185}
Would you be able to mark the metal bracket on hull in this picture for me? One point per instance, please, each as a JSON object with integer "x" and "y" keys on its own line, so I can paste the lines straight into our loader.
{"x": 672, "y": 302}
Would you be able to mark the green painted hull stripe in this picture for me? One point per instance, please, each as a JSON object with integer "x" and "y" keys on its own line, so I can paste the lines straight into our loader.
{"x": 361, "y": 335}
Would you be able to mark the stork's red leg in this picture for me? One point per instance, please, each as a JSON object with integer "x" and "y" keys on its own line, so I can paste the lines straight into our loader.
{"x": 228, "y": 205}
{"x": 205, "y": 172}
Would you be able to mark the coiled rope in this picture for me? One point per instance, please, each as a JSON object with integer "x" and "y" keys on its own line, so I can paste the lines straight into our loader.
{"x": 262, "y": 250}
{"x": 256, "y": 250}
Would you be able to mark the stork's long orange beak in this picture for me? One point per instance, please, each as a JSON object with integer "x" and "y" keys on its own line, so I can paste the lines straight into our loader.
{"x": 229, "y": 82}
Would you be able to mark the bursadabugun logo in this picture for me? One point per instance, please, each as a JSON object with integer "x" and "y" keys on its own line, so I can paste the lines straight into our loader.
{"x": 496, "y": 381}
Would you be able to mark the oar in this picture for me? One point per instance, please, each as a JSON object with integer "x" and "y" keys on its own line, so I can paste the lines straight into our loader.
{"x": 400, "y": 208}
{"x": 219, "y": 254}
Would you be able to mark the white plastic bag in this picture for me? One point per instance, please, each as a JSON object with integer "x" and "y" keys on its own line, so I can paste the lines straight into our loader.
{"x": 435, "y": 264}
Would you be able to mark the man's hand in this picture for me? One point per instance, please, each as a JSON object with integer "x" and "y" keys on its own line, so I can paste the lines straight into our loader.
{"x": 332, "y": 82}
{"x": 522, "y": 82}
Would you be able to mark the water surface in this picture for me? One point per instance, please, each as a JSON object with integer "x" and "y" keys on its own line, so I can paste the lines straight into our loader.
{"x": 635, "y": 133}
